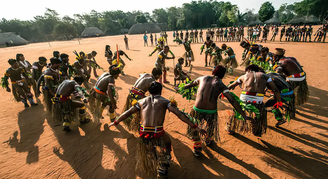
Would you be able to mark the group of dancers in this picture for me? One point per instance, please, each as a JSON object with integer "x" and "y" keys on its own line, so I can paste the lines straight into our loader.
{"x": 66, "y": 92}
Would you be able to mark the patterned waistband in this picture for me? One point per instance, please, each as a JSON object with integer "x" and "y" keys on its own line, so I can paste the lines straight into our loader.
{"x": 16, "y": 82}
{"x": 297, "y": 75}
{"x": 137, "y": 92}
{"x": 151, "y": 132}
{"x": 63, "y": 98}
{"x": 252, "y": 93}
{"x": 99, "y": 90}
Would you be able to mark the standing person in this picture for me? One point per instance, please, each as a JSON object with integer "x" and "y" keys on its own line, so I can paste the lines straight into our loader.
{"x": 173, "y": 34}
{"x": 145, "y": 37}
{"x": 282, "y": 32}
{"x": 155, "y": 39}
{"x": 221, "y": 35}
{"x": 289, "y": 33}
{"x": 189, "y": 55}
{"x": 63, "y": 105}
{"x": 160, "y": 62}
{"x": 208, "y": 51}
{"x": 309, "y": 32}
{"x": 253, "y": 84}
{"x": 177, "y": 35}
{"x": 201, "y": 36}
{"x": 165, "y": 37}
{"x": 226, "y": 34}
{"x": 192, "y": 35}
{"x": 275, "y": 32}
{"x": 38, "y": 68}
{"x": 217, "y": 34}
{"x": 151, "y": 39}
{"x": 152, "y": 135}
{"x": 66, "y": 69}
{"x": 138, "y": 92}
{"x": 120, "y": 61}
{"x": 265, "y": 33}
{"x": 20, "y": 89}
{"x": 92, "y": 64}
{"x": 181, "y": 35}
{"x": 205, "y": 107}
{"x": 196, "y": 36}
{"x": 109, "y": 55}
{"x": 80, "y": 68}
{"x": 103, "y": 94}
{"x": 255, "y": 34}
{"x": 187, "y": 35}
{"x": 303, "y": 33}
{"x": 216, "y": 55}
{"x": 259, "y": 32}
{"x": 26, "y": 65}
{"x": 126, "y": 41}
{"x": 324, "y": 30}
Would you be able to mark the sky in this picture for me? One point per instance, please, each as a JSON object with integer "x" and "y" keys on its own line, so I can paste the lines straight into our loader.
{"x": 27, "y": 9}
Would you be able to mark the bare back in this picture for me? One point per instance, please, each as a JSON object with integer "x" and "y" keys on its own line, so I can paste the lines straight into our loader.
{"x": 255, "y": 82}
{"x": 144, "y": 81}
{"x": 66, "y": 88}
{"x": 103, "y": 82}
{"x": 153, "y": 110}
{"x": 208, "y": 92}
{"x": 290, "y": 66}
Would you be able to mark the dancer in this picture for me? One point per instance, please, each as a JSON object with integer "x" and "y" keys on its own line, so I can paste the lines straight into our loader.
{"x": 216, "y": 55}
{"x": 152, "y": 134}
{"x": 66, "y": 69}
{"x": 229, "y": 62}
{"x": 64, "y": 106}
{"x": 309, "y": 32}
{"x": 160, "y": 62}
{"x": 188, "y": 55}
{"x": 208, "y": 51}
{"x": 20, "y": 89}
{"x": 26, "y": 65}
{"x": 295, "y": 75}
{"x": 109, "y": 55}
{"x": 103, "y": 94}
{"x": 80, "y": 68}
{"x": 275, "y": 32}
{"x": 253, "y": 83}
{"x": 38, "y": 68}
{"x": 205, "y": 107}
{"x": 138, "y": 92}
{"x": 92, "y": 64}
{"x": 178, "y": 73}
{"x": 120, "y": 62}
{"x": 282, "y": 32}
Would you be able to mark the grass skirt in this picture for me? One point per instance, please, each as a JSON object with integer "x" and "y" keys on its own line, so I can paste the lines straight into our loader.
{"x": 301, "y": 90}
{"x": 132, "y": 122}
{"x": 96, "y": 101}
{"x": 256, "y": 126}
{"x": 189, "y": 54}
{"x": 230, "y": 62}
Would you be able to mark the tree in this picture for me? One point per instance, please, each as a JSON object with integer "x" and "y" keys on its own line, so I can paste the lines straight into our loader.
{"x": 317, "y": 8}
{"x": 160, "y": 15}
{"x": 285, "y": 12}
{"x": 141, "y": 18}
{"x": 266, "y": 11}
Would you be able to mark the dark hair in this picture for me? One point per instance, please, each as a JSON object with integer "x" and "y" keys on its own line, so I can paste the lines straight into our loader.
{"x": 18, "y": 55}
{"x": 213, "y": 45}
{"x": 55, "y": 54}
{"x": 180, "y": 59}
{"x": 265, "y": 49}
{"x": 82, "y": 54}
{"x": 155, "y": 88}
{"x": 114, "y": 70}
{"x": 94, "y": 52}
{"x": 79, "y": 79}
{"x": 252, "y": 68}
{"x": 107, "y": 47}
{"x": 12, "y": 61}
{"x": 55, "y": 60}
{"x": 63, "y": 55}
{"x": 156, "y": 72}
{"x": 166, "y": 46}
{"x": 42, "y": 59}
{"x": 219, "y": 71}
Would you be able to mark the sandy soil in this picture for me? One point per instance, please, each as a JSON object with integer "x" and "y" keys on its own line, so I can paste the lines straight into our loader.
{"x": 31, "y": 148}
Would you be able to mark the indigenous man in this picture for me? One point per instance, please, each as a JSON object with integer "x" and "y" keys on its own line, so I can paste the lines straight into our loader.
{"x": 20, "y": 89}
{"x": 295, "y": 75}
{"x": 178, "y": 73}
{"x": 275, "y": 32}
{"x": 246, "y": 46}
{"x": 303, "y": 33}
{"x": 66, "y": 69}
{"x": 51, "y": 82}
{"x": 189, "y": 55}
{"x": 181, "y": 35}
{"x": 64, "y": 105}
{"x": 80, "y": 68}
{"x": 201, "y": 36}
{"x": 152, "y": 134}
{"x": 253, "y": 83}
{"x": 230, "y": 61}
{"x": 159, "y": 47}
{"x": 205, "y": 108}
{"x": 287, "y": 97}
{"x": 309, "y": 32}
{"x": 120, "y": 63}
{"x": 187, "y": 35}
{"x": 38, "y": 68}
{"x": 26, "y": 65}
{"x": 289, "y": 33}
{"x": 216, "y": 55}
{"x": 109, "y": 55}
{"x": 196, "y": 36}
{"x": 92, "y": 64}
{"x": 221, "y": 35}
{"x": 138, "y": 92}
{"x": 282, "y": 32}
{"x": 160, "y": 62}
{"x": 192, "y": 36}
{"x": 208, "y": 51}
{"x": 103, "y": 94}
{"x": 126, "y": 42}
{"x": 265, "y": 33}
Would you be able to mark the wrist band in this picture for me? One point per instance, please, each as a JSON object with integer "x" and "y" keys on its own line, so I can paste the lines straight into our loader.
{"x": 195, "y": 126}
{"x": 115, "y": 123}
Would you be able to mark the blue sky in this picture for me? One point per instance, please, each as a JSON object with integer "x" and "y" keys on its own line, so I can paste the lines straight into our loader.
{"x": 27, "y": 9}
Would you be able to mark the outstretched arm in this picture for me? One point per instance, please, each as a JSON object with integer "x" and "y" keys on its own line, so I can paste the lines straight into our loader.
{"x": 126, "y": 56}
{"x": 185, "y": 119}
{"x": 124, "y": 116}
{"x": 193, "y": 84}
{"x": 156, "y": 48}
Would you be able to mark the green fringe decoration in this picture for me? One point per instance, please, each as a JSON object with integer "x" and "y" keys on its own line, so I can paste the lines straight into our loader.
{"x": 190, "y": 93}
{"x": 84, "y": 91}
{"x": 245, "y": 107}
{"x": 4, "y": 82}
{"x": 264, "y": 65}
{"x": 71, "y": 70}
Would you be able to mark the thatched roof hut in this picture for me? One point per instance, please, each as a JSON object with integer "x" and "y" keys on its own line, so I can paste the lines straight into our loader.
{"x": 10, "y": 39}
{"x": 92, "y": 32}
{"x": 256, "y": 22}
{"x": 273, "y": 20}
{"x": 142, "y": 28}
{"x": 311, "y": 19}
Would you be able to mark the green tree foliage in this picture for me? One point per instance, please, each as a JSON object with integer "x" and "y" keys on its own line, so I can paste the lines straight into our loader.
{"x": 317, "y": 8}
{"x": 266, "y": 11}
{"x": 141, "y": 18}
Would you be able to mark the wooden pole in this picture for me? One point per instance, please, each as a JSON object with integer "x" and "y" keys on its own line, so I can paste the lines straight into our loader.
{"x": 48, "y": 41}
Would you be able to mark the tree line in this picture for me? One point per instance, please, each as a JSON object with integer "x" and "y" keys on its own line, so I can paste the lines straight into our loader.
{"x": 196, "y": 14}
